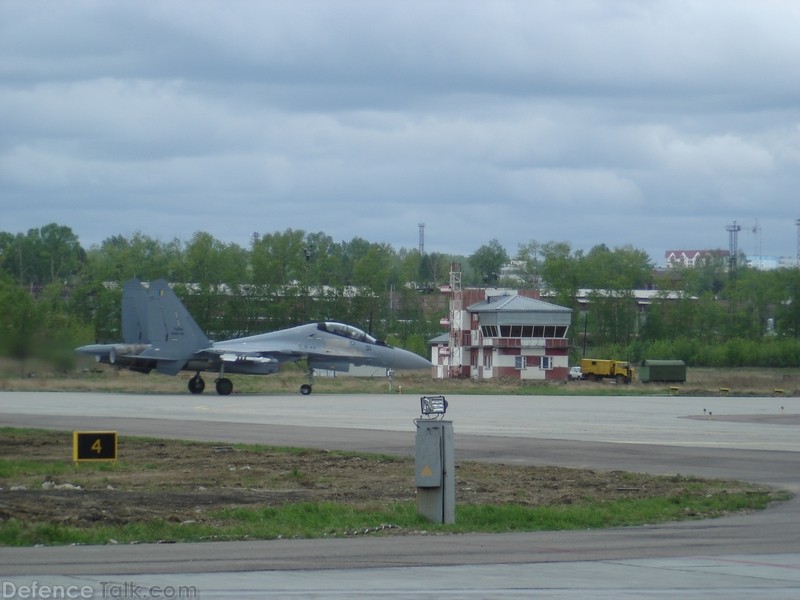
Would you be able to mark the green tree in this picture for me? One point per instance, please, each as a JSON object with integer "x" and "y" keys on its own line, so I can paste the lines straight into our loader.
{"x": 210, "y": 263}
{"x": 7, "y": 253}
{"x": 43, "y": 255}
{"x": 43, "y": 328}
{"x": 620, "y": 269}
{"x": 18, "y": 321}
{"x": 118, "y": 258}
{"x": 787, "y": 306}
{"x": 374, "y": 268}
{"x": 60, "y": 253}
{"x": 279, "y": 259}
{"x": 613, "y": 317}
{"x": 560, "y": 271}
{"x": 323, "y": 260}
{"x": 488, "y": 260}
{"x": 709, "y": 275}
{"x": 530, "y": 256}
{"x": 59, "y": 331}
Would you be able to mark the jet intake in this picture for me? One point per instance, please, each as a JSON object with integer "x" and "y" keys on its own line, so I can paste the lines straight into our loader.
{"x": 329, "y": 364}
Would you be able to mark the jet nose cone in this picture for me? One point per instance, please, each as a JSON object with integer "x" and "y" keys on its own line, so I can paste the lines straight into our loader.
{"x": 409, "y": 360}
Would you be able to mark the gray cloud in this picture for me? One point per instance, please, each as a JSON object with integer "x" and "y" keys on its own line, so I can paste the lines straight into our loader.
{"x": 653, "y": 124}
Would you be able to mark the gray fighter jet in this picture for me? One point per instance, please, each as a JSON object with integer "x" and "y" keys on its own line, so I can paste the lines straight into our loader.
{"x": 159, "y": 333}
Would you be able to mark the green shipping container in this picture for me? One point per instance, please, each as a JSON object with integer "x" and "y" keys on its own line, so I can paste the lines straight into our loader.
{"x": 662, "y": 370}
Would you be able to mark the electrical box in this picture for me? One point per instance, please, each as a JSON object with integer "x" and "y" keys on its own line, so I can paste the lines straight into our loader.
{"x": 435, "y": 471}
{"x": 429, "y": 455}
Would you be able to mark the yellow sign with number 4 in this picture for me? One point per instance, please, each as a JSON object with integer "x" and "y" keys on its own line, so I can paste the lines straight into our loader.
{"x": 94, "y": 446}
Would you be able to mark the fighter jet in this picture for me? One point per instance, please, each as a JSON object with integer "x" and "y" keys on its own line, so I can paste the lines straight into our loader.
{"x": 159, "y": 333}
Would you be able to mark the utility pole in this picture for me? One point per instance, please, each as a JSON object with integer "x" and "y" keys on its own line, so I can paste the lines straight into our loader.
{"x": 733, "y": 231}
{"x": 456, "y": 322}
{"x": 797, "y": 223}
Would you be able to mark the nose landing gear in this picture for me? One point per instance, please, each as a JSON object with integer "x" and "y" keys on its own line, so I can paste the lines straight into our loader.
{"x": 305, "y": 389}
{"x": 224, "y": 386}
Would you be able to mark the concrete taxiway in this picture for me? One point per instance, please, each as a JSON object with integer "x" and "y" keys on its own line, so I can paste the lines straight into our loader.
{"x": 754, "y": 555}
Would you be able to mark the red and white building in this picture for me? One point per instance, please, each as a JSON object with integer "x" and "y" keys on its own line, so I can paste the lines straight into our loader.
{"x": 689, "y": 259}
{"x": 502, "y": 334}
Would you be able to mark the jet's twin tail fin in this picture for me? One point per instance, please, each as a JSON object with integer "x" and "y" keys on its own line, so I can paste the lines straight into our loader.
{"x": 134, "y": 313}
{"x": 172, "y": 333}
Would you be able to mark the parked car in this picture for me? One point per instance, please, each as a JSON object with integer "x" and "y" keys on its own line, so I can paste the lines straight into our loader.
{"x": 575, "y": 374}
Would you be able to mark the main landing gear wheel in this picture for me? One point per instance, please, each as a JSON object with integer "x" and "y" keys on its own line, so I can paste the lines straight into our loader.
{"x": 196, "y": 384}
{"x": 224, "y": 386}
{"x": 305, "y": 389}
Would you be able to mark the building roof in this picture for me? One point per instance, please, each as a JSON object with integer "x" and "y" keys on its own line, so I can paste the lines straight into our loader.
{"x": 514, "y": 303}
{"x": 584, "y": 294}
{"x": 440, "y": 339}
{"x": 717, "y": 252}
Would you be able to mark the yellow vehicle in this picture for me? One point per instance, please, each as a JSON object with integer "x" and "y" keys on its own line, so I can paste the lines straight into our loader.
{"x": 596, "y": 369}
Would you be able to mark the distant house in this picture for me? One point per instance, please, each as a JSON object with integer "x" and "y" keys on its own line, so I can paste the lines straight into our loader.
{"x": 642, "y": 298}
{"x": 689, "y": 259}
{"x": 769, "y": 263}
{"x": 505, "y": 334}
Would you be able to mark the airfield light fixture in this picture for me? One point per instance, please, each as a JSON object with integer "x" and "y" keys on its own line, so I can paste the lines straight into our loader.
{"x": 433, "y": 407}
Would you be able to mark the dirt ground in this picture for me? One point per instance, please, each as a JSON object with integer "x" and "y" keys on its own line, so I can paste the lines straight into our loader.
{"x": 185, "y": 482}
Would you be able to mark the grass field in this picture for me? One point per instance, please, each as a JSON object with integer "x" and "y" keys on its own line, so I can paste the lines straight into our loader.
{"x": 168, "y": 490}
{"x": 267, "y": 493}
{"x": 700, "y": 382}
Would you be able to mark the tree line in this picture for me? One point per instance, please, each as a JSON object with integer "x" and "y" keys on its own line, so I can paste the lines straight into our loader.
{"x": 57, "y": 294}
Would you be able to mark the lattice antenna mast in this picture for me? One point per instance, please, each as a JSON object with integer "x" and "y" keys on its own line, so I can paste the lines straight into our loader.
{"x": 456, "y": 315}
{"x": 422, "y": 239}
{"x": 733, "y": 234}
{"x": 757, "y": 258}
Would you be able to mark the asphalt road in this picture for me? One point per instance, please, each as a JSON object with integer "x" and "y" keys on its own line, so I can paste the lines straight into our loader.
{"x": 754, "y": 439}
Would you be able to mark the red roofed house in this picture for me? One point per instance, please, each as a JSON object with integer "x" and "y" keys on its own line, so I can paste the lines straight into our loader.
{"x": 690, "y": 259}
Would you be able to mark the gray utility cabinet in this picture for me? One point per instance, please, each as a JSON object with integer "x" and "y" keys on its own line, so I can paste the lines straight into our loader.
{"x": 435, "y": 471}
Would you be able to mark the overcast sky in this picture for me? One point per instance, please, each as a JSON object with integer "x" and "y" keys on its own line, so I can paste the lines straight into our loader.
{"x": 647, "y": 123}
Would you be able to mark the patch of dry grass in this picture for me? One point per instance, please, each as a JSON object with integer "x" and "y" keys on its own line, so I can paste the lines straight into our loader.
{"x": 89, "y": 376}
